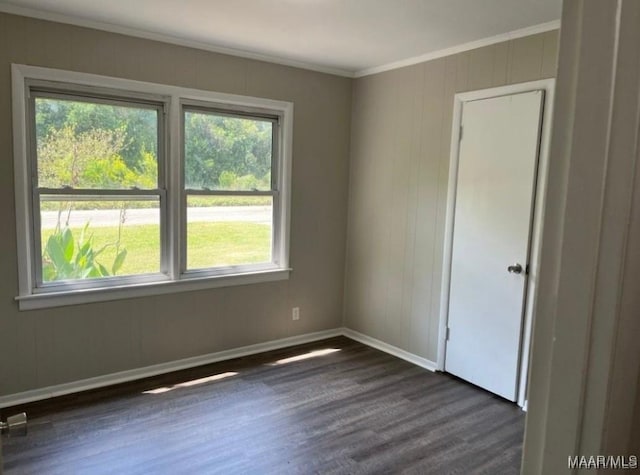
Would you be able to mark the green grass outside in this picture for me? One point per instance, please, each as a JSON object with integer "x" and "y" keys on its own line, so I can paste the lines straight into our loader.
{"x": 208, "y": 245}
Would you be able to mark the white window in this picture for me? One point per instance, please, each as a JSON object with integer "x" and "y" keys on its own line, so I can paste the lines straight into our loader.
{"x": 126, "y": 188}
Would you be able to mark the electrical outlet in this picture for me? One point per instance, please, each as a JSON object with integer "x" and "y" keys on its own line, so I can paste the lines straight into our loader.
{"x": 295, "y": 313}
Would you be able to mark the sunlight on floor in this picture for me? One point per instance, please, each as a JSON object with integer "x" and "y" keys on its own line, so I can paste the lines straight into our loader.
{"x": 311, "y": 354}
{"x": 193, "y": 382}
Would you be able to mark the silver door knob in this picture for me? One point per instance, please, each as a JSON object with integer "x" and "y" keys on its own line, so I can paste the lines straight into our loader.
{"x": 515, "y": 269}
{"x": 16, "y": 425}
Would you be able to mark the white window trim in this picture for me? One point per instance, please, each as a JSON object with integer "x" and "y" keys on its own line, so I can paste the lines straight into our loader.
{"x": 31, "y": 297}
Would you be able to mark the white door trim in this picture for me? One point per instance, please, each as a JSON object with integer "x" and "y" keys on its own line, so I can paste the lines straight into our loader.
{"x": 547, "y": 85}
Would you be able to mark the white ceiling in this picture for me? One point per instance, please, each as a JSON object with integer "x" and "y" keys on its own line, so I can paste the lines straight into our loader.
{"x": 349, "y": 37}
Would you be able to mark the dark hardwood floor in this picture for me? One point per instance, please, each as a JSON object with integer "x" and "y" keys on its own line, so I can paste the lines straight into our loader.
{"x": 330, "y": 407}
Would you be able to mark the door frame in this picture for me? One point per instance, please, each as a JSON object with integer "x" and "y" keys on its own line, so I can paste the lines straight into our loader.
{"x": 548, "y": 86}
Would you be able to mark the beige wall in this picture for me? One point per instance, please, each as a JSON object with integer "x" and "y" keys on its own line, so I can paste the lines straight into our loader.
{"x": 401, "y": 132}
{"x": 42, "y": 348}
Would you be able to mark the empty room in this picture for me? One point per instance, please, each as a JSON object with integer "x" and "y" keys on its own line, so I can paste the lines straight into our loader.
{"x": 319, "y": 236}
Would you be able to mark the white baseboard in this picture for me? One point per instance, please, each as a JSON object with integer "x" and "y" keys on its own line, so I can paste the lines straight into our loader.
{"x": 140, "y": 373}
{"x": 392, "y": 350}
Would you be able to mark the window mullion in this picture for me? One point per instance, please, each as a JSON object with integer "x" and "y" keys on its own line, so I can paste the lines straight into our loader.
{"x": 174, "y": 167}
{"x": 163, "y": 153}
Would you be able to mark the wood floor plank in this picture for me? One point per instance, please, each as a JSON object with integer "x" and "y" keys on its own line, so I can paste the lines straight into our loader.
{"x": 300, "y": 410}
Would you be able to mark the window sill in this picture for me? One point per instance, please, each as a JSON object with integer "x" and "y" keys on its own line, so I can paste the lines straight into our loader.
{"x": 104, "y": 294}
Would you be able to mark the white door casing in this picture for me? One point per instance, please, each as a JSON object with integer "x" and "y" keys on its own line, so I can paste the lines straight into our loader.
{"x": 548, "y": 85}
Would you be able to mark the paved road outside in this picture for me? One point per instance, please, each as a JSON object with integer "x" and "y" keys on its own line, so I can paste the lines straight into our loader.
{"x": 110, "y": 217}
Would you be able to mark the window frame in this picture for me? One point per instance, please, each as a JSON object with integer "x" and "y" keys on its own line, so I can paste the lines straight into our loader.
{"x": 171, "y": 103}
{"x": 45, "y": 89}
{"x": 213, "y": 108}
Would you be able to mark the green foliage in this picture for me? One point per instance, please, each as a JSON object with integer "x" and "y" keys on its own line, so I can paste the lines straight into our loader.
{"x": 147, "y": 177}
{"x": 227, "y": 179}
{"x": 113, "y": 172}
{"x": 66, "y": 257}
{"x": 230, "y": 181}
{"x": 109, "y": 173}
{"x": 205, "y": 201}
{"x": 90, "y": 145}
{"x": 227, "y": 152}
{"x": 64, "y": 156}
{"x": 91, "y": 160}
{"x": 139, "y": 125}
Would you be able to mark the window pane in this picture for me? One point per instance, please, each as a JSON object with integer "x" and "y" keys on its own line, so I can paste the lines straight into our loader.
{"x": 90, "y": 145}
{"x": 84, "y": 239}
{"x": 227, "y": 153}
{"x": 228, "y": 230}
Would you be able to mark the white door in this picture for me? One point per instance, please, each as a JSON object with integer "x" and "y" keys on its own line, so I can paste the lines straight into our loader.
{"x": 497, "y": 166}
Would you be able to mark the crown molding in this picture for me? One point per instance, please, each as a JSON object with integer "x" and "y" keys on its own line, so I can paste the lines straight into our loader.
{"x": 164, "y": 38}
{"x": 511, "y": 35}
